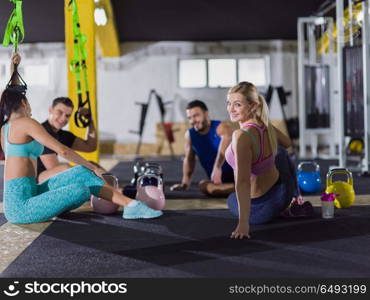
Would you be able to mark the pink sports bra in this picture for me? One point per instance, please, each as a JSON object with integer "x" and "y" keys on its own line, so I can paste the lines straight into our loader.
{"x": 261, "y": 165}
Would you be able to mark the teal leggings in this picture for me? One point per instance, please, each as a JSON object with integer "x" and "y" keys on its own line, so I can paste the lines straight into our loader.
{"x": 25, "y": 201}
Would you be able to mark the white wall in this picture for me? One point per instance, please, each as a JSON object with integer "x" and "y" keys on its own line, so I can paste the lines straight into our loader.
{"x": 144, "y": 66}
{"x": 39, "y": 96}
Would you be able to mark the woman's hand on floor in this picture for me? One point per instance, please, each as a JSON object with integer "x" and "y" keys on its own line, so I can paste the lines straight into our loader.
{"x": 216, "y": 175}
{"x": 241, "y": 231}
{"x": 179, "y": 187}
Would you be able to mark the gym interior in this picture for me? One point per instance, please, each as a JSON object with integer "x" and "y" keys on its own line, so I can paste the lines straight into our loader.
{"x": 135, "y": 66}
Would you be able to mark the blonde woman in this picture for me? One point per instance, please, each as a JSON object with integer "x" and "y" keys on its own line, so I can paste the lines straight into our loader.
{"x": 260, "y": 193}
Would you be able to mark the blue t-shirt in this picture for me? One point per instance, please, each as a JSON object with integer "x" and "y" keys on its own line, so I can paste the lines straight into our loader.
{"x": 206, "y": 148}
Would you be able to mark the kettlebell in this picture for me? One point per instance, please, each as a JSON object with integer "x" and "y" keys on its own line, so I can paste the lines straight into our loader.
{"x": 153, "y": 168}
{"x": 309, "y": 181}
{"x": 150, "y": 189}
{"x": 356, "y": 146}
{"x": 102, "y": 206}
{"x": 345, "y": 190}
{"x": 139, "y": 168}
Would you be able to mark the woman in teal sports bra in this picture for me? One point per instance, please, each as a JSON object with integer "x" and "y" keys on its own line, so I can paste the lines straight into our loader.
{"x": 25, "y": 201}
{"x": 259, "y": 193}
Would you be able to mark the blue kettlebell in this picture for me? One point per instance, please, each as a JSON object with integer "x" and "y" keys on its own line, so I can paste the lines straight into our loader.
{"x": 309, "y": 181}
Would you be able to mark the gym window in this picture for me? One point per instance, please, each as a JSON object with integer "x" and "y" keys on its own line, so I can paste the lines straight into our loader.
{"x": 253, "y": 70}
{"x": 222, "y": 72}
{"x": 192, "y": 73}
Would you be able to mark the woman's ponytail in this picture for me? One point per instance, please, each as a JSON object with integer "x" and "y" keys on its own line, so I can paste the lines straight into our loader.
{"x": 264, "y": 117}
{"x": 10, "y": 102}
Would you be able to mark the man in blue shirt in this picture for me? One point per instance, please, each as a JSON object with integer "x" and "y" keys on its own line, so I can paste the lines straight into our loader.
{"x": 207, "y": 139}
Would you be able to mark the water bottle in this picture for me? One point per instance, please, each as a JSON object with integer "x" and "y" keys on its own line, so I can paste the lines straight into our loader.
{"x": 327, "y": 205}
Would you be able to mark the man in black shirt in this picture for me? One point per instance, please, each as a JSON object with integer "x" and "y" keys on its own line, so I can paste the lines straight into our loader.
{"x": 59, "y": 115}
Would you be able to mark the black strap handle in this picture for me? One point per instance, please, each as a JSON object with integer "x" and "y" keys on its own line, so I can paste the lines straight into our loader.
{"x": 83, "y": 120}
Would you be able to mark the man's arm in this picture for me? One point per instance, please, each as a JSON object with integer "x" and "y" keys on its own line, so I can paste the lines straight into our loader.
{"x": 189, "y": 161}
{"x": 224, "y": 131}
{"x": 187, "y": 166}
{"x": 90, "y": 143}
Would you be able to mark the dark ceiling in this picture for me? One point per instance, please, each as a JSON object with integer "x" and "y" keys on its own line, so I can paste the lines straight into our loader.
{"x": 171, "y": 20}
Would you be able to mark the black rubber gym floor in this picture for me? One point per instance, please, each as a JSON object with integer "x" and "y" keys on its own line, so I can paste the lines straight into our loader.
{"x": 195, "y": 243}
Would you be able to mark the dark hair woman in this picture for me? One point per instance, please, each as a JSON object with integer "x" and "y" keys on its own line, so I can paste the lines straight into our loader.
{"x": 25, "y": 201}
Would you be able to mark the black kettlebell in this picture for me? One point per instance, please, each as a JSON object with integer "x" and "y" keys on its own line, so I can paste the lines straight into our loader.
{"x": 153, "y": 168}
{"x": 139, "y": 168}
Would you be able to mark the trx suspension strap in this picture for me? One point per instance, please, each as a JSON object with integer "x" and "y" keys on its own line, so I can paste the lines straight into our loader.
{"x": 77, "y": 64}
{"x": 14, "y": 34}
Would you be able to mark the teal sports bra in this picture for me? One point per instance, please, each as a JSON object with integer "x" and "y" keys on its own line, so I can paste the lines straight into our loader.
{"x": 32, "y": 149}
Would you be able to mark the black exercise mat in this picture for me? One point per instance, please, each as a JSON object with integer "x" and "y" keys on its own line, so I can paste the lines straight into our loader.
{"x": 172, "y": 173}
{"x": 196, "y": 244}
{"x": 192, "y": 192}
{"x": 2, "y": 219}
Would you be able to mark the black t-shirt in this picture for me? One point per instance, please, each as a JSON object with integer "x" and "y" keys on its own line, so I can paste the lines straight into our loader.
{"x": 65, "y": 137}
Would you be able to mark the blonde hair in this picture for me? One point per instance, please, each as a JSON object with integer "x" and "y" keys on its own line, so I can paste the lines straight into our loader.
{"x": 249, "y": 91}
